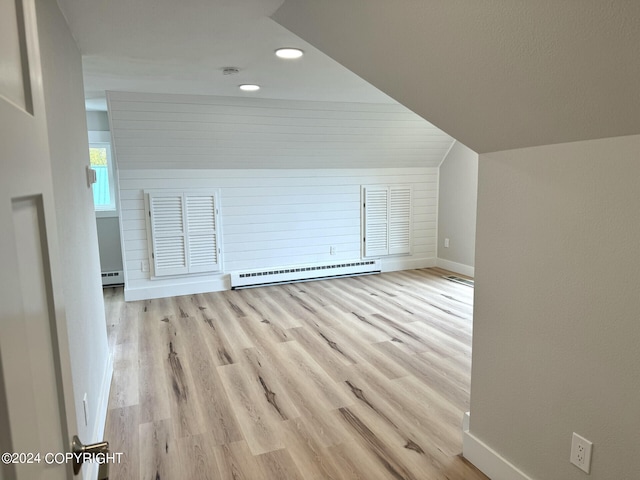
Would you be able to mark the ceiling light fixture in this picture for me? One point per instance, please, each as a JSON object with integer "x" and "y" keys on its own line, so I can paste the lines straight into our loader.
{"x": 289, "y": 53}
{"x": 249, "y": 87}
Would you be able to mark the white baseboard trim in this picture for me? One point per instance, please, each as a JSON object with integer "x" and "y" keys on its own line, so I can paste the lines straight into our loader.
{"x": 90, "y": 472}
{"x": 101, "y": 417}
{"x": 455, "y": 267}
{"x": 487, "y": 460}
{"x": 163, "y": 291}
{"x": 406, "y": 263}
{"x": 223, "y": 282}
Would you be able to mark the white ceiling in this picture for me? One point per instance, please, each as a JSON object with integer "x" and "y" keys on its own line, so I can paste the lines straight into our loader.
{"x": 166, "y": 46}
{"x": 494, "y": 74}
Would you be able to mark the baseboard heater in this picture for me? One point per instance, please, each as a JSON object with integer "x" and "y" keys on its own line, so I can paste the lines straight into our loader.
{"x": 303, "y": 273}
{"x": 112, "y": 278}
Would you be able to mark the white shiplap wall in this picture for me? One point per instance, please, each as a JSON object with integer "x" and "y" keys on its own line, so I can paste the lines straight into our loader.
{"x": 277, "y": 208}
{"x": 273, "y": 218}
{"x": 188, "y": 131}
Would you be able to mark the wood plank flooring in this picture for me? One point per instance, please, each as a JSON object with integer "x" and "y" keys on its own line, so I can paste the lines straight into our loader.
{"x": 354, "y": 378}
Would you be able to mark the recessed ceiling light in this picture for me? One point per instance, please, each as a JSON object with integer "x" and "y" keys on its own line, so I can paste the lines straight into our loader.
{"x": 248, "y": 87}
{"x": 289, "y": 53}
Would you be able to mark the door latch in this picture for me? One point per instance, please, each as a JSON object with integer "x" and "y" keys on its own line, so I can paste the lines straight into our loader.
{"x": 82, "y": 452}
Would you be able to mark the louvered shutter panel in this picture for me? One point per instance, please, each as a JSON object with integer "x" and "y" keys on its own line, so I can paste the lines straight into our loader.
{"x": 399, "y": 219}
{"x": 202, "y": 233}
{"x": 168, "y": 234}
{"x": 376, "y": 221}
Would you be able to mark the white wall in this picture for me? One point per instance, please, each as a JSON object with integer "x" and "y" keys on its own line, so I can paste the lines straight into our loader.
{"x": 557, "y": 308}
{"x": 62, "y": 78}
{"x": 109, "y": 242}
{"x": 457, "y": 203}
{"x": 97, "y": 121}
{"x": 275, "y": 218}
{"x": 190, "y": 131}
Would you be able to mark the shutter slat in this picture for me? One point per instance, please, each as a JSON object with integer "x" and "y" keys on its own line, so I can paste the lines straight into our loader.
{"x": 203, "y": 240}
{"x": 376, "y": 213}
{"x": 168, "y": 234}
{"x": 400, "y": 220}
{"x": 201, "y": 213}
{"x": 167, "y": 216}
{"x": 203, "y": 251}
{"x": 169, "y": 256}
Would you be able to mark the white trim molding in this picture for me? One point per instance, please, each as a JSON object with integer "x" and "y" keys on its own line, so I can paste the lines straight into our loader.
{"x": 210, "y": 284}
{"x": 455, "y": 267}
{"x": 91, "y": 471}
{"x": 98, "y": 429}
{"x": 487, "y": 460}
{"x": 392, "y": 264}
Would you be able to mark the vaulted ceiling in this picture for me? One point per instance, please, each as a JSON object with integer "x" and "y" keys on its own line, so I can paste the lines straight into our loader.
{"x": 169, "y": 46}
{"x": 495, "y": 74}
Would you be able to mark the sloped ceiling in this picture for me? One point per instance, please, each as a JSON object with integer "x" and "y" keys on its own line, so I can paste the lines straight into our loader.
{"x": 494, "y": 74}
{"x": 167, "y": 46}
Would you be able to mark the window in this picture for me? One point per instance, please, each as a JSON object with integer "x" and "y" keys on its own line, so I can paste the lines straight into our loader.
{"x": 386, "y": 220}
{"x": 103, "y": 190}
{"x": 183, "y": 232}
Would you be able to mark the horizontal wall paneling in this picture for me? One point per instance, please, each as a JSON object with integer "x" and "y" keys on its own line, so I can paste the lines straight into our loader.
{"x": 187, "y": 131}
{"x": 267, "y": 227}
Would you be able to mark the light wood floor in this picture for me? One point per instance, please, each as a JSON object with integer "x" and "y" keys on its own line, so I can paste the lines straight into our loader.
{"x": 355, "y": 378}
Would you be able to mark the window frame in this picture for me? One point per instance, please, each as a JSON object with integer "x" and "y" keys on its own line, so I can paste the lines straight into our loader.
{"x": 100, "y": 139}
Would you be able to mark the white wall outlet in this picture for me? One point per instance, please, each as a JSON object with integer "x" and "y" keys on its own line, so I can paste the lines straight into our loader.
{"x": 144, "y": 265}
{"x": 332, "y": 250}
{"x": 446, "y": 243}
{"x": 581, "y": 452}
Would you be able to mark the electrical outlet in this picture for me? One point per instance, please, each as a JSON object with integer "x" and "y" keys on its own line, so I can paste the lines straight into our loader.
{"x": 581, "y": 452}
{"x": 446, "y": 243}
{"x": 332, "y": 250}
{"x": 144, "y": 265}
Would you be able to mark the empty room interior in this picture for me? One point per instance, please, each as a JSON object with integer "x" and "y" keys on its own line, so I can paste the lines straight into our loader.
{"x": 308, "y": 239}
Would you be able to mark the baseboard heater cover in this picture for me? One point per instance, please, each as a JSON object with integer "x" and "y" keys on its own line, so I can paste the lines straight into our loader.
{"x": 113, "y": 278}
{"x": 303, "y": 273}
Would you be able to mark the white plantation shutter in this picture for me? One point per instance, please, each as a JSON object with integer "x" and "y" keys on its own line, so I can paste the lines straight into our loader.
{"x": 201, "y": 228}
{"x": 387, "y": 220}
{"x": 376, "y": 221}
{"x": 184, "y": 233}
{"x": 168, "y": 235}
{"x": 399, "y": 220}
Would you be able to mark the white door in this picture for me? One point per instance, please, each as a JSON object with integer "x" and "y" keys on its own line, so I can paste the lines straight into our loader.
{"x": 37, "y": 414}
